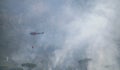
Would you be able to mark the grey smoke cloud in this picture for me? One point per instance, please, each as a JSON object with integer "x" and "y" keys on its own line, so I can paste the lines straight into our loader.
{"x": 74, "y": 30}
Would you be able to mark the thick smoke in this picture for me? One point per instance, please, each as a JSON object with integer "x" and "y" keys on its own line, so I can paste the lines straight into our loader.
{"x": 74, "y": 31}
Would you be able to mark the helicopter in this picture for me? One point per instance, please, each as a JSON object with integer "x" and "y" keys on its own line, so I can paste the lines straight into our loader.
{"x": 36, "y": 33}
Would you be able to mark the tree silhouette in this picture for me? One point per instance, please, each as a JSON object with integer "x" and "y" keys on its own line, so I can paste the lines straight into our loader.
{"x": 30, "y": 66}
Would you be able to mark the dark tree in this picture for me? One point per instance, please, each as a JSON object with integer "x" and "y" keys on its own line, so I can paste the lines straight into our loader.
{"x": 30, "y": 66}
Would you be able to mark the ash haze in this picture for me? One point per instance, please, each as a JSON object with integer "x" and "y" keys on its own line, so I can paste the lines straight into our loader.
{"x": 78, "y": 34}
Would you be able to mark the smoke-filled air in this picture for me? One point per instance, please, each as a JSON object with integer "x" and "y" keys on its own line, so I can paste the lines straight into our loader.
{"x": 59, "y": 35}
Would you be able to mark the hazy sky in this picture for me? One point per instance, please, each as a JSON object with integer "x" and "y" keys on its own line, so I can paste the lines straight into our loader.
{"x": 73, "y": 30}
